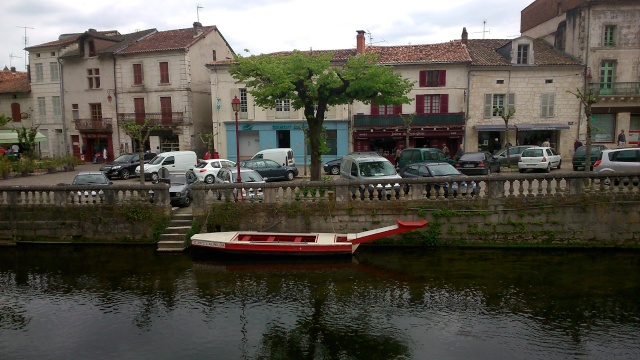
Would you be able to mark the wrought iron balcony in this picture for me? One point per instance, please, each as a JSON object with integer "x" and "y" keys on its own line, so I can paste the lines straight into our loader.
{"x": 615, "y": 88}
{"x": 173, "y": 118}
{"x": 93, "y": 125}
{"x": 382, "y": 121}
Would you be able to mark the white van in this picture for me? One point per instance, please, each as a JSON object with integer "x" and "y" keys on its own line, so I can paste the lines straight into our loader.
{"x": 283, "y": 156}
{"x": 370, "y": 168}
{"x": 174, "y": 161}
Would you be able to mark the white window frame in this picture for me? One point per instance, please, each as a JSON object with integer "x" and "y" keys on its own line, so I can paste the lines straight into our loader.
{"x": 39, "y": 72}
{"x": 547, "y": 105}
{"x": 283, "y": 109}
{"x": 491, "y": 100}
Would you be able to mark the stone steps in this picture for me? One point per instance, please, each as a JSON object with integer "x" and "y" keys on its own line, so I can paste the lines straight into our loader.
{"x": 174, "y": 237}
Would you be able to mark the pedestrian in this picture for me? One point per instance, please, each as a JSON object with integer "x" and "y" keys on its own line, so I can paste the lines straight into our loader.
{"x": 496, "y": 145}
{"x": 546, "y": 143}
{"x": 445, "y": 150}
{"x": 576, "y": 145}
{"x": 459, "y": 153}
{"x": 207, "y": 155}
{"x": 2, "y": 151}
{"x": 398, "y": 153}
{"x": 104, "y": 154}
{"x": 622, "y": 139}
{"x": 216, "y": 155}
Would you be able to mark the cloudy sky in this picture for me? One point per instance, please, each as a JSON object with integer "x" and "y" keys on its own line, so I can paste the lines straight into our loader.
{"x": 263, "y": 26}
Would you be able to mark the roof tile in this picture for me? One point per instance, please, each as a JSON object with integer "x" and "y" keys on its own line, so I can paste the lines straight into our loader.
{"x": 14, "y": 82}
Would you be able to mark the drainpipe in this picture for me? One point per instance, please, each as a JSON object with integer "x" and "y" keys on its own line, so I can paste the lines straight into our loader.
{"x": 114, "y": 128}
{"x": 584, "y": 75}
{"x": 464, "y": 138}
{"x": 64, "y": 120}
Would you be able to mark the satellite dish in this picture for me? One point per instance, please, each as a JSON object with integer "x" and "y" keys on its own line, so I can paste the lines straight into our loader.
{"x": 163, "y": 173}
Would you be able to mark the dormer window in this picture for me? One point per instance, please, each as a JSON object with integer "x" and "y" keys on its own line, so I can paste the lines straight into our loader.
{"x": 523, "y": 54}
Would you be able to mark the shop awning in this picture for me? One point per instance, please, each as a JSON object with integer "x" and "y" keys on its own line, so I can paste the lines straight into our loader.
{"x": 11, "y": 137}
{"x": 539, "y": 127}
{"x": 499, "y": 127}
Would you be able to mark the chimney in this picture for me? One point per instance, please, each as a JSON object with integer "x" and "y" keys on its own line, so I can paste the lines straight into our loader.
{"x": 13, "y": 69}
{"x": 360, "y": 42}
{"x": 197, "y": 29}
{"x": 465, "y": 36}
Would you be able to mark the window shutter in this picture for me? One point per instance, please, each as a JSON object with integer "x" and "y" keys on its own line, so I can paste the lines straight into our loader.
{"x": 375, "y": 110}
{"x": 552, "y": 100}
{"x": 487, "y": 105}
{"x": 397, "y": 109}
{"x": 444, "y": 103}
{"x": 251, "y": 107}
{"x": 511, "y": 102}
{"x": 544, "y": 103}
{"x": 420, "y": 104}
{"x": 442, "y": 78}
{"x": 15, "y": 112}
{"x": 423, "y": 78}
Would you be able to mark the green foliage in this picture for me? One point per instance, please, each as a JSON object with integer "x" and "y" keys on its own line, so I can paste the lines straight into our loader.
{"x": 70, "y": 161}
{"x": 5, "y": 166}
{"x": 139, "y": 132}
{"x": 26, "y": 139}
{"x": 4, "y": 120}
{"x": 137, "y": 212}
{"x": 313, "y": 83}
{"x": 207, "y": 140}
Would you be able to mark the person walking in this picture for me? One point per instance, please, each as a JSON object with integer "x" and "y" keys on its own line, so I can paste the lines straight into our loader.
{"x": 398, "y": 153}
{"x": 445, "y": 150}
{"x": 207, "y": 155}
{"x": 459, "y": 153}
{"x": 104, "y": 154}
{"x": 546, "y": 143}
{"x": 622, "y": 139}
{"x": 576, "y": 145}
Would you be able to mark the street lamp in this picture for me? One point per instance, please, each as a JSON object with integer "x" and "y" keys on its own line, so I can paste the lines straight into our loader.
{"x": 235, "y": 105}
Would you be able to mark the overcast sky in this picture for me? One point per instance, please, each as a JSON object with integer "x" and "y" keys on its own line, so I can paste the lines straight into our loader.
{"x": 263, "y": 26}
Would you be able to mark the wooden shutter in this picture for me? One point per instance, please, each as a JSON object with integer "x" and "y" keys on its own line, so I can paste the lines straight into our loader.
{"x": 164, "y": 72}
{"x": 138, "y": 108}
{"x": 488, "y": 103}
{"x": 137, "y": 74}
{"x": 420, "y": 104}
{"x": 423, "y": 78}
{"x": 397, "y": 109}
{"x": 375, "y": 110}
{"x": 444, "y": 103}
{"x": 15, "y": 112}
{"x": 442, "y": 78}
{"x": 511, "y": 100}
{"x": 165, "y": 109}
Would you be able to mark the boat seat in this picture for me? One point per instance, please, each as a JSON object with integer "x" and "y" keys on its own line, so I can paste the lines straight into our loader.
{"x": 271, "y": 238}
{"x": 298, "y": 239}
{"x": 246, "y": 238}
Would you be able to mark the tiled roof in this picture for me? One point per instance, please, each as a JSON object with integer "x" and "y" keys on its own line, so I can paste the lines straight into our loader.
{"x": 68, "y": 39}
{"x": 119, "y": 41}
{"x": 167, "y": 40}
{"x": 540, "y": 11}
{"x": 445, "y": 53}
{"x": 14, "y": 82}
{"x": 484, "y": 53}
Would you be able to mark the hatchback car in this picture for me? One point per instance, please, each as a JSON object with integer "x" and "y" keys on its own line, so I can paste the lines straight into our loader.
{"x": 247, "y": 176}
{"x": 333, "y": 166}
{"x": 206, "y": 170}
{"x": 271, "y": 170}
{"x": 539, "y": 158}
{"x": 426, "y": 170}
{"x": 415, "y": 155}
{"x": 618, "y": 160}
{"x": 514, "y": 155}
{"x": 580, "y": 156}
{"x": 91, "y": 178}
{"x": 180, "y": 186}
{"x": 125, "y": 165}
{"x": 478, "y": 163}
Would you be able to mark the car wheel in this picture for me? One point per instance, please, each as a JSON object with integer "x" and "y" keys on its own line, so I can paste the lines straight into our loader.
{"x": 289, "y": 176}
{"x": 125, "y": 175}
{"x": 209, "y": 179}
{"x": 154, "y": 177}
{"x": 559, "y": 164}
{"x": 548, "y": 169}
{"x": 521, "y": 170}
{"x": 334, "y": 170}
{"x": 186, "y": 202}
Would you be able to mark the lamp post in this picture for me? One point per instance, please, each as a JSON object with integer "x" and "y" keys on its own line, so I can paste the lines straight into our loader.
{"x": 235, "y": 105}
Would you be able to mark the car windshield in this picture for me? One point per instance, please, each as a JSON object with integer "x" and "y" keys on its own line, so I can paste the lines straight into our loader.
{"x": 532, "y": 153}
{"x": 177, "y": 179}
{"x": 90, "y": 179}
{"x": 376, "y": 168}
{"x": 582, "y": 150}
{"x": 472, "y": 157}
{"x": 249, "y": 176}
{"x": 124, "y": 158}
{"x": 156, "y": 160}
{"x": 443, "y": 170}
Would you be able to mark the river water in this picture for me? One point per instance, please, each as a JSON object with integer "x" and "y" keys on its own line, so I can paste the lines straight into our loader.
{"x": 105, "y": 302}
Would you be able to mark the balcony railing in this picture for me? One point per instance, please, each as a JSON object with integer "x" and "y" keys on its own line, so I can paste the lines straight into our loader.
{"x": 371, "y": 121}
{"x": 615, "y": 88}
{"x": 173, "y": 118}
{"x": 93, "y": 125}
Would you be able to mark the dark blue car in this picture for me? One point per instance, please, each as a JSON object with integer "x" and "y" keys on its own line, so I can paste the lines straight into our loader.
{"x": 271, "y": 170}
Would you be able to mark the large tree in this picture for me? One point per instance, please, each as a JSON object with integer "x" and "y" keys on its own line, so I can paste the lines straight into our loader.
{"x": 587, "y": 99}
{"x": 313, "y": 81}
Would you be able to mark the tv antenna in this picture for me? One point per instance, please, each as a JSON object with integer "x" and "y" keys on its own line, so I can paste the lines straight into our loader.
{"x": 198, "y": 7}
{"x": 11, "y": 57}
{"x": 484, "y": 24}
{"x": 371, "y": 39}
{"x": 25, "y": 44}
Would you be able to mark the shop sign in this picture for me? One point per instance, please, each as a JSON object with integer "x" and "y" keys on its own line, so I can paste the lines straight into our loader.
{"x": 247, "y": 127}
{"x": 282, "y": 127}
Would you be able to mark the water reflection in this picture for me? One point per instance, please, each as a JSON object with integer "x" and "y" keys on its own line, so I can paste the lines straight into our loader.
{"x": 130, "y": 302}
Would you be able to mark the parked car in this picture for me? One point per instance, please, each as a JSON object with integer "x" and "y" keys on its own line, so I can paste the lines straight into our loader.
{"x": 618, "y": 160}
{"x": 478, "y": 163}
{"x": 415, "y": 155}
{"x": 174, "y": 161}
{"x": 333, "y": 166}
{"x": 580, "y": 156}
{"x": 271, "y": 170}
{"x": 422, "y": 170}
{"x": 125, "y": 165}
{"x": 514, "y": 155}
{"x": 247, "y": 176}
{"x": 283, "y": 156}
{"x": 370, "y": 168}
{"x": 539, "y": 158}
{"x": 180, "y": 186}
{"x": 91, "y": 178}
{"x": 206, "y": 170}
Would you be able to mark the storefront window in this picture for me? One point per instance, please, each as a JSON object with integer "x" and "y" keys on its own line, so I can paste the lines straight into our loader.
{"x": 634, "y": 129}
{"x": 603, "y": 128}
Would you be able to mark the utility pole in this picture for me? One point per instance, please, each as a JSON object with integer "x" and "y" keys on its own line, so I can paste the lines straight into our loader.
{"x": 25, "y": 44}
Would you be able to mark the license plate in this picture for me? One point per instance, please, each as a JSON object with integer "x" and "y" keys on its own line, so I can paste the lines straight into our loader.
{"x": 467, "y": 165}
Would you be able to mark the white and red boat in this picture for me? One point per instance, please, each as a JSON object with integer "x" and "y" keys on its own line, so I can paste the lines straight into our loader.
{"x": 263, "y": 243}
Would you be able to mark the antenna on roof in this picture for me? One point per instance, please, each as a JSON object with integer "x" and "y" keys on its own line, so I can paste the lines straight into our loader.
{"x": 11, "y": 56}
{"x": 198, "y": 7}
{"x": 25, "y": 44}
{"x": 371, "y": 39}
{"x": 484, "y": 23}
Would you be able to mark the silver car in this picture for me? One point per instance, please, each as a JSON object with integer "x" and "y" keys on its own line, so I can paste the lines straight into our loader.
{"x": 618, "y": 160}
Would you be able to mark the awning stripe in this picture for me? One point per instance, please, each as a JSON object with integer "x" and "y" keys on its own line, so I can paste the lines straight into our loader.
{"x": 11, "y": 137}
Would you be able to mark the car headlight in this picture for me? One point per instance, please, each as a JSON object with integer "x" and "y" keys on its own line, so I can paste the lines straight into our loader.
{"x": 178, "y": 193}
{"x": 117, "y": 167}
